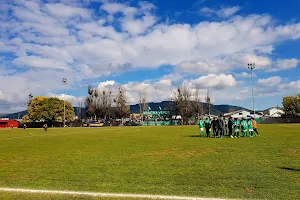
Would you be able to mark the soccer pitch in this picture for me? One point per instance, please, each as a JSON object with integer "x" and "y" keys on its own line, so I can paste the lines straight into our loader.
{"x": 151, "y": 160}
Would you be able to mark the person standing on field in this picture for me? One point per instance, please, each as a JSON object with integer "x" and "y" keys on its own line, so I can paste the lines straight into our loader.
{"x": 226, "y": 127}
{"x": 236, "y": 128}
{"x": 222, "y": 126}
{"x": 207, "y": 125}
{"x": 244, "y": 126}
{"x": 214, "y": 126}
{"x": 219, "y": 126}
{"x": 201, "y": 127}
{"x": 254, "y": 124}
{"x": 230, "y": 126}
{"x": 250, "y": 127}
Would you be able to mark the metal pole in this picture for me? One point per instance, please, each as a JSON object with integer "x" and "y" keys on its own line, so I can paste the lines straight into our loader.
{"x": 251, "y": 66}
{"x": 64, "y": 120}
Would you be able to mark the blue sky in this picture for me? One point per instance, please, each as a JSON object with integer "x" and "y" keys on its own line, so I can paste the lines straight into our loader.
{"x": 150, "y": 47}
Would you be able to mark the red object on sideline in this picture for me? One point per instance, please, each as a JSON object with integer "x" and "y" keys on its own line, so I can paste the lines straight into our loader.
{"x": 7, "y": 123}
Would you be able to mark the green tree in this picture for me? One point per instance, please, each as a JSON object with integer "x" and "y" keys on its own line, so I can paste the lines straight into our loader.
{"x": 298, "y": 104}
{"x": 25, "y": 119}
{"x": 289, "y": 106}
{"x": 49, "y": 109}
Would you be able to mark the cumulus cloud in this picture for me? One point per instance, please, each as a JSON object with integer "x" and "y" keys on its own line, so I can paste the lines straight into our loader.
{"x": 38, "y": 40}
{"x": 62, "y": 10}
{"x": 268, "y": 82}
{"x": 214, "y": 81}
{"x": 69, "y": 98}
{"x": 294, "y": 86}
{"x": 285, "y": 64}
{"x": 202, "y": 67}
{"x": 224, "y": 12}
{"x": 38, "y": 62}
{"x": 243, "y": 75}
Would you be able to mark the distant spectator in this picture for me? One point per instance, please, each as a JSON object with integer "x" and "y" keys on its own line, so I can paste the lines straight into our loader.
{"x": 45, "y": 127}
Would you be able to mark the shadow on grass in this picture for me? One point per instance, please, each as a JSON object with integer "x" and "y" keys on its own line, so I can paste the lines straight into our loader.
{"x": 197, "y": 136}
{"x": 290, "y": 169}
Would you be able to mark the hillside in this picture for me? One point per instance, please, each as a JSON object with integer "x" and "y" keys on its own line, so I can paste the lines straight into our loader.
{"x": 165, "y": 105}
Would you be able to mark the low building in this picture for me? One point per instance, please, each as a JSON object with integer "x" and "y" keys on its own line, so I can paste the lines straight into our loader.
{"x": 245, "y": 113}
{"x": 273, "y": 112}
{"x": 8, "y": 123}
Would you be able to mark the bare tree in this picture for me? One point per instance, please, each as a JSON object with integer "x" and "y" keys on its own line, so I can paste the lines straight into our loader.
{"x": 90, "y": 103}
{"x": 182, "y": 100}
{"x": 208, "y": 101}
{"x": 197, "y": 103}
{"x": 122, "y": 109}
{"x": 105, "y": 102}
{"x": 143, "y": 101}
{"x": 98, "y": 103}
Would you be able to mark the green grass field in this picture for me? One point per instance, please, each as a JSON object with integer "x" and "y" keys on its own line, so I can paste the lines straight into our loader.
{"x": 151, "y": 160}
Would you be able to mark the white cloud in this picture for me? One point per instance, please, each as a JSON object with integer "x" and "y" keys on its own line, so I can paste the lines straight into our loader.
{"x": 61, "y": 10}
{"x": 69, "y": 98}
{"x": 42, "y": 41}
{"x": 244, "y": 75}
{"x": 224, "y": 12}
{"x": 286, "y": 64}
{"x": 202, "y": 67}
{"x": 227, "y": 12}
{"x": 294, "y": 86}
{"x": 38, "y": 62}
{"x": 113, "y": 8}
{"x": 269, "y": 82}
{"x": 215, "y": 81}
{"x": 261, "y": 62}
{"x": 161, "y": 89}
{"x": 138, "y": 26}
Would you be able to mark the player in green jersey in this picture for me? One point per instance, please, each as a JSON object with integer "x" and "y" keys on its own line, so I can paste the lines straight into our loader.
{"x": 236, "y": 127}
{"x": 250, "y": 126}
{"x": 244, "y": 127}
{"x": 201, "y": 127}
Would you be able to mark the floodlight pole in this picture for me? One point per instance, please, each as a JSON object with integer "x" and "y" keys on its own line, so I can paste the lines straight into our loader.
{"x": 64, "y": 80}
{"x": 251, "y": 66}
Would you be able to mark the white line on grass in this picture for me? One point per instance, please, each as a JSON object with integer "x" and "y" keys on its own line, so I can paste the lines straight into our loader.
{"x": 98, "y": 194}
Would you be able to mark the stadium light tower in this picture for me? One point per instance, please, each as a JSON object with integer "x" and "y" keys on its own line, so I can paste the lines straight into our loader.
{"x": 251, "y": 66}
{"x": 64, "y": 80}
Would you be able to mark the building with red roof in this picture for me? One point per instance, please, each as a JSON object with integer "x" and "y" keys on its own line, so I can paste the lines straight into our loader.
{"x": 7, "y": 123}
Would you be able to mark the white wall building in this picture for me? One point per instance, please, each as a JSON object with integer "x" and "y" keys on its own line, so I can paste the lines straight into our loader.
{"x": 243, "y": 114}
{"x": 273, "y": 112}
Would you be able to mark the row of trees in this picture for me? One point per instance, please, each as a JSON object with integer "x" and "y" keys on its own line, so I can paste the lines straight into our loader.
{"x": 188, "y": 104}
{"x": 291, "y": 105}
{"x": 50, "y": 109}
{"x": 104, "y": 104}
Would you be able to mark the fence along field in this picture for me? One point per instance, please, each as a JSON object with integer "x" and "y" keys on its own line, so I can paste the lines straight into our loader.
{"x": 152, "y": 160}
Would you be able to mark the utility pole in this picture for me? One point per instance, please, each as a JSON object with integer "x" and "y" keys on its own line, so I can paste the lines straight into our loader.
{"x": 251, "y": 66}
{"x": 64, "y": 80}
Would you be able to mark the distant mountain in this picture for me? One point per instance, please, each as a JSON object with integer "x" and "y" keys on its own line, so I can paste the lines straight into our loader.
{"x": 165, "y": 105}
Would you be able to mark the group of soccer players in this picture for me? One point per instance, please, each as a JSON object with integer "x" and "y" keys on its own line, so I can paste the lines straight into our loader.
{"x": 233, "y": 128}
